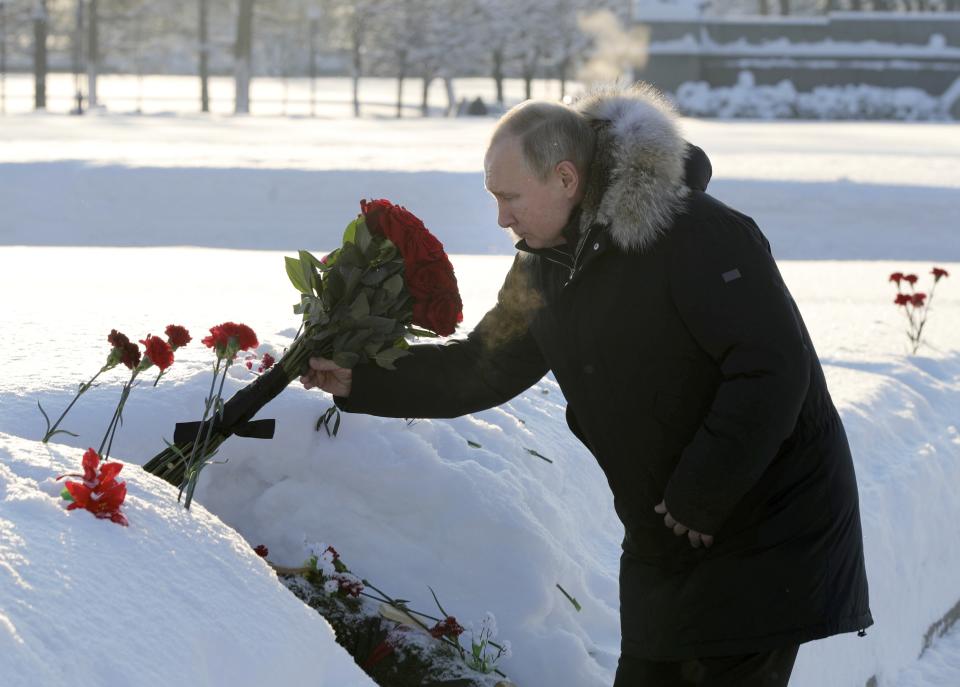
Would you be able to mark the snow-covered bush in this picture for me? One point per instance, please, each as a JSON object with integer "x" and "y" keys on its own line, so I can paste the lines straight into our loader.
{"x": 746, "y": 99}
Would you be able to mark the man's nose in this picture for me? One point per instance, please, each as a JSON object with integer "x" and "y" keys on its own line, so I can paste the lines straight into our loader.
{"x": 504, "y": 217}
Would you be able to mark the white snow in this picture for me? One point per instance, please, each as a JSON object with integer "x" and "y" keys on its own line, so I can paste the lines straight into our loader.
{"x": 175, "y": 597}
{"x": 95, "y": 223}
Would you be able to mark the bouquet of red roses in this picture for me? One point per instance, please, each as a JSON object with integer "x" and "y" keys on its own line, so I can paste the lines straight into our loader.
{"x": 389, "y": 280}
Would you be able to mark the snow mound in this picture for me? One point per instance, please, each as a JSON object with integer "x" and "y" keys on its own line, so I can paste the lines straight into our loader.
{"x": 175, "y": 596}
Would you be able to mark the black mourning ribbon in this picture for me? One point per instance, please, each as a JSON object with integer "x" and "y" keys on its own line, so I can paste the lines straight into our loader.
{"x": 240, "y": 409}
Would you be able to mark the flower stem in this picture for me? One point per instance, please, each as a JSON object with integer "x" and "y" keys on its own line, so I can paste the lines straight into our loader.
{"x": 191, "y": 457}
{"x": 83, "y": 388}
{"x": 197, "y": 461}
{"x": 117, "y": 414}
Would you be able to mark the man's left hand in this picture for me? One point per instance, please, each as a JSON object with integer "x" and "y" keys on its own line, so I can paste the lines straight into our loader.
{"x": 697, "y": 539}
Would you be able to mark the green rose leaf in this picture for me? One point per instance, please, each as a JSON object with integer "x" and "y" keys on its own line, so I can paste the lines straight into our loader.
{"x": 350, "y": 233}
{"x": 296, "y": 274}
{"x": 362, "y": 236}
{"x": 393, "y": 285}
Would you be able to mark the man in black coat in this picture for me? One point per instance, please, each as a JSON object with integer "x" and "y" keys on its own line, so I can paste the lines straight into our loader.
{"x": 688, "y": 373}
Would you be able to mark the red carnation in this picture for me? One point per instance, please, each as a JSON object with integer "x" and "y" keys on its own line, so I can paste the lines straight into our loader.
{"x": 131, "y": 355}
{"x": 911, "y": 278}
{"x": 902, "y": 299}
{"x": 262, "y": 551}
{"x": 266, "y": 362}
{"x": 158, "y": 351}
{"x": 177, "y": 336}
{"x": 896, "y": 277}
{"x": 100, "y": 492}
{"x": 230, "y": 337}
{"x": 333, "y": 552}
{"x": 939, "y": 272}
{"x": 918, "y": 298}
{"x": 448, "y": 627}
{"x": 116, "y": 339}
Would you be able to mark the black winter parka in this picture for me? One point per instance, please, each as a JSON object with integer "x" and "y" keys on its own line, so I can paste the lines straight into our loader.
{"x": 690, "y": 376}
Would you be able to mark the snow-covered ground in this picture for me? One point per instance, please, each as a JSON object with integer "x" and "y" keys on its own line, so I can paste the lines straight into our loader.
{"x": 131, "y": 222}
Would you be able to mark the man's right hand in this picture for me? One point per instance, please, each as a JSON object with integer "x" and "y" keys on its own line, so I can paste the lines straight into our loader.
{"x": 327, "y": 375}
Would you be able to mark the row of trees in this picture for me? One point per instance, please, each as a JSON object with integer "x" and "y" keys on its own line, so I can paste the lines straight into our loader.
{"x": 426, "y": 39}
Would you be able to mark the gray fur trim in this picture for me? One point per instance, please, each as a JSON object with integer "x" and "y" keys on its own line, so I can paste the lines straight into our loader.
{"x": 636, "y": 181}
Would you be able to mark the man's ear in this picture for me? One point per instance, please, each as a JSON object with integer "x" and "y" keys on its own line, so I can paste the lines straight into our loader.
{"x": 569, "y": 177}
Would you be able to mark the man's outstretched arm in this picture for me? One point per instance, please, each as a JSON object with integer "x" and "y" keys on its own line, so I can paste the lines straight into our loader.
{"x": 494, "y": 363}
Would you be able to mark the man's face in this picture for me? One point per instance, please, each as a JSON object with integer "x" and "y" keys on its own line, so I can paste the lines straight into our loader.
{"x": 534, "y": 210}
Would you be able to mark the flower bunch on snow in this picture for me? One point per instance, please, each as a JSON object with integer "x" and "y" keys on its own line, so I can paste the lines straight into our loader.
{"x": 124, "y": 352}
{"x": 334, "y": 575}
{"x": 156, "y": 351}
{"x": 100, "y": 492}
{"x": 915, "y": 304}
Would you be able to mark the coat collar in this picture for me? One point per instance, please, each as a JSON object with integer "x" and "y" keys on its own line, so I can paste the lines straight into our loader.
{"x": 636, "y": 182}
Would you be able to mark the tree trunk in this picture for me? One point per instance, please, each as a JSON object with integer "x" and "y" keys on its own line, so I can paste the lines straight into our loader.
{"x": 76, "y": 55}
{"x": 498, "y": 74}
{"x": 563, "y": 68}
{"x": 785, "y": 7}
{"x": 40, "y": 20}
{"x": 314, "y": 26}
{"x": 204, "y": 56}
{"x": 93, "y": 53}
{"x": 451, "y": 96}
{"x": 424, "y": 102}
{"x": 243, "y": 57}
{"x": 3, "y": 58}
{"x": 764, "y": 7}
{"x": 400, "y": 78}
{"x": 357, "y": 68}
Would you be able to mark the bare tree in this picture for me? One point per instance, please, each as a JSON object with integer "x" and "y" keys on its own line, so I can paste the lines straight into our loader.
{"x": 3, "y": 57}
{"x": 243, "y": 57}
{"x": 40, "y": 29}
{"x": 203, "y": 40}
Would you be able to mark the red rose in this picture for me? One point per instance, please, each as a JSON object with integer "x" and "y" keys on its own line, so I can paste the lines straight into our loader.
{"x": 426, "y": 278}
{"x": 902, "y": 299}
{"x": 177, "y": 336}
{"x": 917, "y": 299}
{"x": 158, "y": 351}
{"x": 404, "y": 229}
{"x": 911, "y": 278}
{"x": 939, "y": 272}
{"x": 440, "y": 314}
{"x": 131, "y": 355}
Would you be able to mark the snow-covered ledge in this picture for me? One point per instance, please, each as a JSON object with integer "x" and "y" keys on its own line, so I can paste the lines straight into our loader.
{"x": 901, "y": 418}
{"x": 175, "y": 598}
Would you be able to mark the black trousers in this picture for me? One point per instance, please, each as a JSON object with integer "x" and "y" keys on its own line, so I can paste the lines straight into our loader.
{"x": 765, "y": 669}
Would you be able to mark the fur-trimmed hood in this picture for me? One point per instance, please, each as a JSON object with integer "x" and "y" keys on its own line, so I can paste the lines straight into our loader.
{"x": 635, "y": 185}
